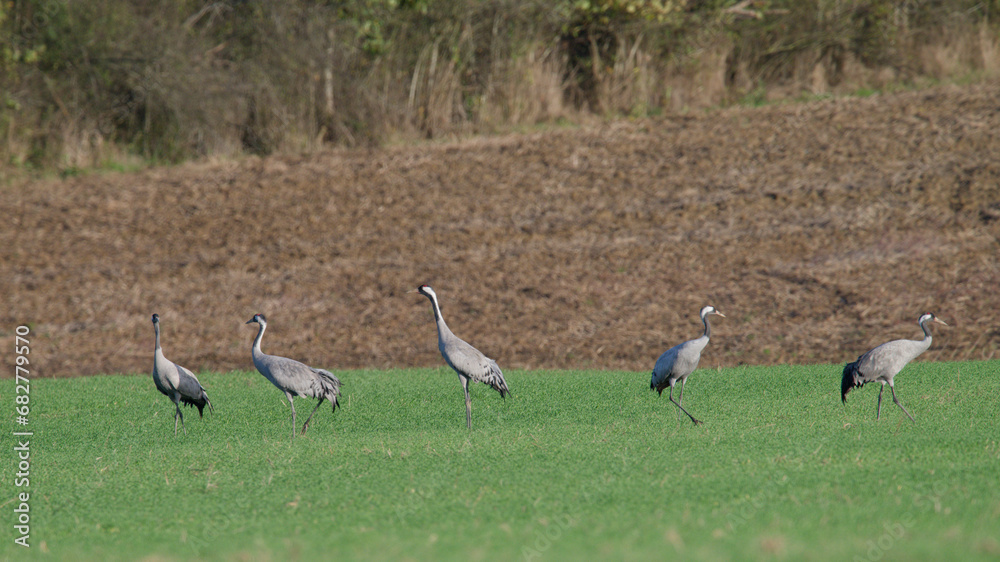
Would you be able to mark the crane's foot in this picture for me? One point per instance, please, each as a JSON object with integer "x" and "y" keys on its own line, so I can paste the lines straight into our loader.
{"x": 696, "y": 422}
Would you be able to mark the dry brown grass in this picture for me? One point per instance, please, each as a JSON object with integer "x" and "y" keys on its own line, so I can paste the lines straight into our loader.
{"x": 819, "y": 229}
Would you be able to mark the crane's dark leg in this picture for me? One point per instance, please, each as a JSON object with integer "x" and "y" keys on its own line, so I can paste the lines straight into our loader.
{"x": 468, "y": 403}
{"x": 289, "y": 396}
{"x": 896, "y": 400}
{"x": 696, "y": 422}
{"x": 878, "y": 413}
{"x": 680, "y": 396}
{"x": 306, "y": 425}
{"x": 181, "y": 414}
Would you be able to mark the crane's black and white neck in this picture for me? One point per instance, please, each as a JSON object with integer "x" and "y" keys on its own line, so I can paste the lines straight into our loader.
{"x": 156, "y": 330}
{"x": 261, "y": 321}
{"x": 158, "y": 358}
{"x": 922, "y": 322}
{"x": 705, "y": 313}
{"x": 442, "y": 326}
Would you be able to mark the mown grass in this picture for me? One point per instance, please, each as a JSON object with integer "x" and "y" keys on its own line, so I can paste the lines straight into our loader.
{"x": 576, "y": 465}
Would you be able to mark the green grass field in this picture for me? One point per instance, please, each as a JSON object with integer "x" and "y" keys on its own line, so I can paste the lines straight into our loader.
{"x": 575, "y": 465}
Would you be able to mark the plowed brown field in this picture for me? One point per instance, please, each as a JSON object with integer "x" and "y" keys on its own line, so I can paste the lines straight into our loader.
{"x": 819, "y": 229}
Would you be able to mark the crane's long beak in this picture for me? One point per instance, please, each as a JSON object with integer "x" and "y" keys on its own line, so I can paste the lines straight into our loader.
{"x": 250, "y": 321}
{"x": 940, "y": 321}
{"x": 720, "y": 314}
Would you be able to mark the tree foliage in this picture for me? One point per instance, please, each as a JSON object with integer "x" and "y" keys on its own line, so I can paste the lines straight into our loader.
{"x": 169, "y": 80}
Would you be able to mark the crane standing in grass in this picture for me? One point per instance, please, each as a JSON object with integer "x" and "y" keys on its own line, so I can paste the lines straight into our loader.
{"x": 680, "y": 361}
{"x": 884, "y": 362}
{"x": 294, "y": 378}
{"x": 176, "y": 382}
{"x": 467, "y": 361}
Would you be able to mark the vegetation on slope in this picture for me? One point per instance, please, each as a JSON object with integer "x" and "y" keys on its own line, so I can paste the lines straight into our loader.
{"x": 85, "y": 84}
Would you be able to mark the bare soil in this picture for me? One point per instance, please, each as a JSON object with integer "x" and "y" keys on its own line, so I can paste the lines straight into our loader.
{"x": 820, "y": 229}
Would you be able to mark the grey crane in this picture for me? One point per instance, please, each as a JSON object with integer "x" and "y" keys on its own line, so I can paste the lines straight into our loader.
{"x": 177, "y": 383}
{"x": 680, "y": 361}
{"x": 467, "y": 361}
{"x": 882, "y": 363}
{"x": 294, "y": 378}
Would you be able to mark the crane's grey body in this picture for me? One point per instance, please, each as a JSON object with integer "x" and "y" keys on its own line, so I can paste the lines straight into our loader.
{"x": 678, "y": 362}
{"x": 467, "y": 361}
{"x": 882, "y": 363}
{"x": 294, "y": 378}
{"x": 176, "y": 382}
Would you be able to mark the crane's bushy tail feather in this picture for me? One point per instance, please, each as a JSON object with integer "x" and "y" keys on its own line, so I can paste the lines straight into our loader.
{"x": 199, "y": 403}
{"x": 329, "y": 387}
{"x": 494, "y": 378}
{"x": 852, "y": 378}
